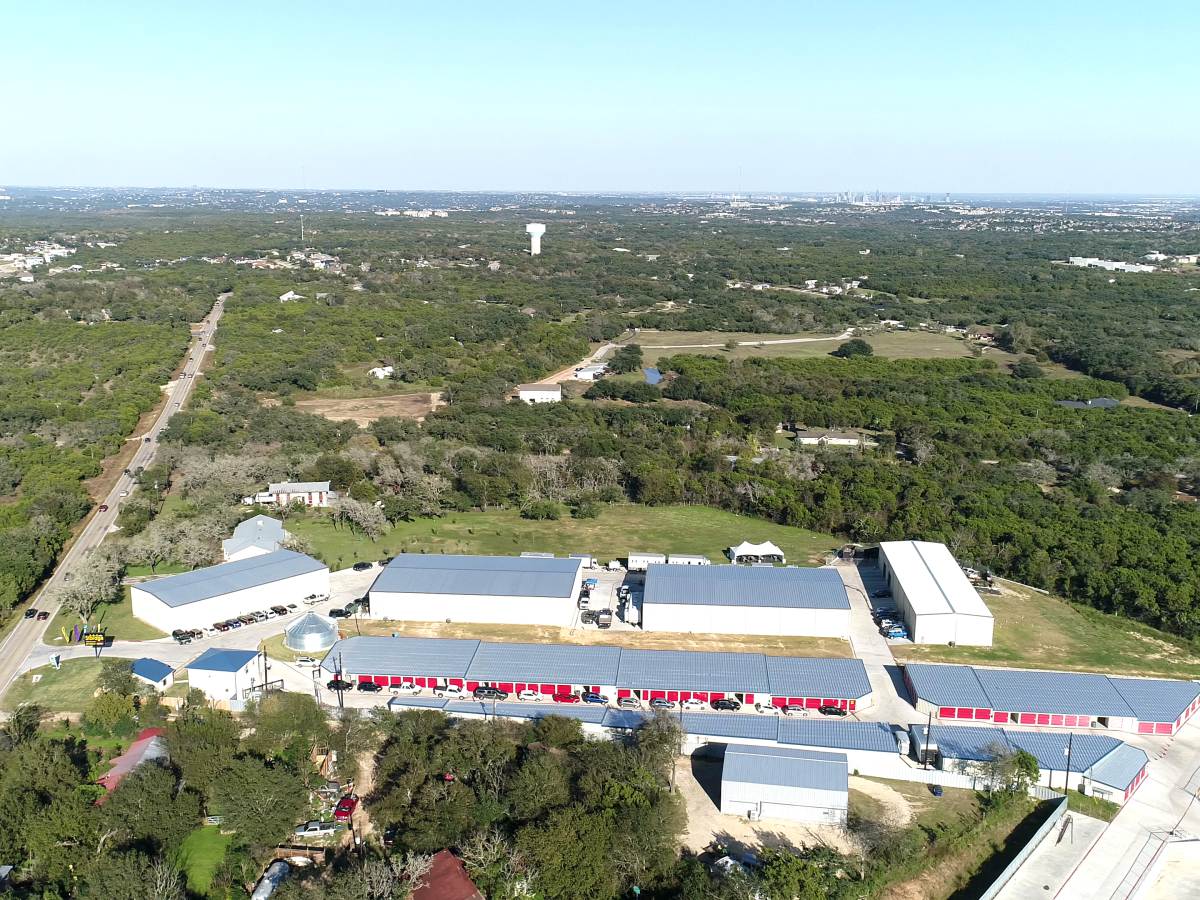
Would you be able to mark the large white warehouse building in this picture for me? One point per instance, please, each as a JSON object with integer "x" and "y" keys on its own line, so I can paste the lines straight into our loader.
{"x": 514, "y": 590}
{"x": 938, "y": 603}
{"x": 201, "y": 597}
{"x": 745, "y": 600}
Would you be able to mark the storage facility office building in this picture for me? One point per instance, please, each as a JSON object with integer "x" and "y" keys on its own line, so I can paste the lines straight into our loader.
{"x": 745, "y": 600}
{"x": 201, "y": 597}
{"x": 939, "y": 605}
{"x": 513, "y": 590}
{"x": 785, "y": 783}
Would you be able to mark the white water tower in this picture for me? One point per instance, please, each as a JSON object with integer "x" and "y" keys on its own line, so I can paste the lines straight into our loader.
{"x": 535, "y": 230}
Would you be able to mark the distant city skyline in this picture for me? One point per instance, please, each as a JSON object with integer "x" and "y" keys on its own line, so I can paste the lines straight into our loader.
{"x": 698, "y": 97}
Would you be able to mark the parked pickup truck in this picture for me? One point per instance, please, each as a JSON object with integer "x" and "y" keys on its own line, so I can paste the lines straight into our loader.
{"x": 315, "y": 829}
{"x": 604, "y": 618}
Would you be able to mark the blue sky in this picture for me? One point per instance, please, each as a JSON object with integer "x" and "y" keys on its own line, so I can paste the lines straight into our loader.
{"x": 736, "y": 96}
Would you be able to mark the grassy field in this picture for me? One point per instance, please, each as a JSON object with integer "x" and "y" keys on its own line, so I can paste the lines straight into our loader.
{"x": 201, "y": 854}
{"x": 160, "y": 570}
{"x": 612, "y": 535}
{"x": 69, "y": 689}
{"x": 1096, "y": 807}
{"x": 115, "y": 618}
{"x": 891, "y": 344}
{"x": 632, "y": 639}
{"x": 1040, "y": 632}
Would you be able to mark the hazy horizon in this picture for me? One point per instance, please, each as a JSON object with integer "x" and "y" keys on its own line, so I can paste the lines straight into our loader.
{"x": 677, "y": 98}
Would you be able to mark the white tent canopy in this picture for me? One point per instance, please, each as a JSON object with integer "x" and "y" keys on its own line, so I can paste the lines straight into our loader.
{"x": 765, "y": 550}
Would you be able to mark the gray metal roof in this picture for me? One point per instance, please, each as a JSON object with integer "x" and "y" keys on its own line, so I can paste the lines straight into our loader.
{"x": 214, "y": 581}
{"x": 503, "y": 576}
{"x": 692, "y": 670}
{"x": 446, "y": 657}
{"x": 297, "y": 487}
{"x": 974, "y": 743}
{"x": 1120, "y": 767}
{"x": 1017, "y": 690}
{"x": 797, "y": 676}
{"x": 1049, "y": 748}
{"x": 562, "y": 663}
{"x": 1156, "y": 699}
{"x": 877, "y": 736}
{"x": 310, "y": 633}
{"x": 257, "y": 531}
{"x": 726, "y": 725}
{"x": 947, "y": 685}
{"x": 625, "y": 718}
{"x": 742, "y": 586}
{"x": 785, "y": 767}
{"x": 582, "y": 712}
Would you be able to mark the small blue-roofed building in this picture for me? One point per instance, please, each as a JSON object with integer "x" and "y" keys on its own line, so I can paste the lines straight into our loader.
{"x": 256, "y": 536}
{"x": 511, "y": 590}
{"x": 225, "y": 674}
{"x": 745, "y": 600}
{"x": 797, "y": 785}
{"x": 201, "y": 597}
{"x": 153, "y": 672}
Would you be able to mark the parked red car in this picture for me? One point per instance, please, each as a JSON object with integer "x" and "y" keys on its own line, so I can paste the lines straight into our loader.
{"x": 566, "y": 698}
{"x": 345, "y": 808}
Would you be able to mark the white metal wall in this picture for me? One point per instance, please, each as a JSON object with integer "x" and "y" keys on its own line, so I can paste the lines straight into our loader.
{"x": 745, "y": 620}
{"x": 203, "y": 613}
{"x": 225, "y": 685}
{"x": 558, "y": 611}
{"x": 780, "y": 802}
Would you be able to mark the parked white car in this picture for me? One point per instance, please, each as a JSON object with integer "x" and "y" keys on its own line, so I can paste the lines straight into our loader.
{"x": 693, "y": 704}
{"x": 305, "y": 661}
{"x": 767, "y": 710}
{"x": 450, "y": 692}
{"x": 408, "y": 690}
{"x": 528, "y": 695}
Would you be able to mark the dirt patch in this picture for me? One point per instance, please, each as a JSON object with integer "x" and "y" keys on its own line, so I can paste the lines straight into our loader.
{"x": 898, "y": 811}
{"x": 365, "y": 410}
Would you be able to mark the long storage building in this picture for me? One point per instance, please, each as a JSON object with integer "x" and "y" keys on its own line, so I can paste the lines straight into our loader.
{"x": 201, "y": 597}
{"x": 548, "y": 669}
{"x": 1067, "y": 699}
{"x": 936, "y": 600}
{"x": 785, "y": 783}
{"x": 514, "y": 590}
{"x": 744, "y": 600}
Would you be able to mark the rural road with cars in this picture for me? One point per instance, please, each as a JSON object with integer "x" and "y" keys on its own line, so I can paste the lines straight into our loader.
{"x": 27, "y": 632}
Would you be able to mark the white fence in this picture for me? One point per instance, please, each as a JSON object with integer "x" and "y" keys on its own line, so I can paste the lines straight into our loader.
{"x": 1019, "y": 860}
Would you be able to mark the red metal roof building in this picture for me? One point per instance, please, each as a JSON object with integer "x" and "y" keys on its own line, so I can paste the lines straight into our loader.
{"x": 447, "y": 880}
{"x": 148, "y": 746}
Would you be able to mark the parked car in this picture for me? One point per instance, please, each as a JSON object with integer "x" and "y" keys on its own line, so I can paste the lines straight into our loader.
{"x": 362, "y": 566}
{"x": 337, "y": 684}
{"x": 246, "y": 620}
{"x": 123, "y": 494}
{"x": 345, "y": 808}
{"x": 883, "y": 592}
{"x": 604, "y": 618}
{"x": 795, "y": 711}
{"x": 305, "y": 661}
{"x": 369, "y": 687}
{"x": 936, "y": 790}
{"x": 896, "y": 631}
{"x": 591, "y": 583}
{"x": 593, "y": 697}
{"x": 693, "y": 704}
{"x": 234, "y": 623}
{"x": 836, "y": 711}
{"x": 181, "y": 636}
{"x": 487, "y": 692}
{"x": 316, "y": 829}
{"x": 30, "y": 613}
{"x": 103, "y": 507}
{"x": 259, "y": 616}
{"x": 629, "y": 703}
{"x": 220, "y": 626}
{"x": 43, "y": 615}
{"x": 271, "y": 614}
{"x": 406, "y": 690}
{"x": 279, "y": 610}
{"x": 566, "y": 698}
{"x": 338, "y": 613}
{"x": 453, "y": 691}
{"x": 662, "y": 703}
{"x": 291, "y": 606}
{"x": 588, "y": 617}
{"x": 527, "y": 694}
{"x": 725, "y": 704}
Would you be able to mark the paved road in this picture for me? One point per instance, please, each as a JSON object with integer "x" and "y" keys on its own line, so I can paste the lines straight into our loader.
{"x": 849, "y": 332}
{"x": 28, "y": 632}
{"x": 590, "y": 360}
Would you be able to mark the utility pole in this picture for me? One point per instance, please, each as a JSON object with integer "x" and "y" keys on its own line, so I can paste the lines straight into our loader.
{"x": 340, "y": 694}
{"x": 301, "y": 228}
{"x": 1067, "y": 779}
{"x": 925, "y": 743}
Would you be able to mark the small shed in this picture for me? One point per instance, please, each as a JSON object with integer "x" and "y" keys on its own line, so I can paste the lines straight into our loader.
{"x": 153, "y": 672}
{"x": 638, "y": 562}
{"x": 785, "y": 783}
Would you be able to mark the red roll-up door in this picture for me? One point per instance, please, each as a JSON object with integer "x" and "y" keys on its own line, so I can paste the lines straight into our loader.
{"x": 549, "y": 689}
{"x": 685, "y": 695}
{"x": 624, "y": 692}
{"x": 946, "y": 712}
{"x": 749, "y": 698}
{"x": 673, "y": 695}
{"x": 1043, "y": 719}
{"x": 1164, "y": 727}
{"x": 457, "y": 682}
{"x": 506, "y": 686}
{"x": 1056, "y": 720}
{"x": 1145, "y": 728}
{"x": 420, "y": 682}
{"x": 363, "y": 679}
{"x": 471, "y": 685}
{"x": 1000, "y": 717}
{"x": 700, "y": 695}
{"x": 407, "y": 679}
{"x": 842, "y": 704}
{"x": 1028, "y": 719}
{"x": 382, "y": 680}
{"x": 966, "y": 713}
{"x": 564, "y": 689}
{"x": 716, "y": 695}
{"x": 395, "y": 680}
{"x": 781, "y": 702}
{"x": 983, "y": 713}
{"x": 658, "y": 695}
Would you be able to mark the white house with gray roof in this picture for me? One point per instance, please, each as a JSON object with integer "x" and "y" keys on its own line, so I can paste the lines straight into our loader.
{"x": 745, "y": 600}
{"x": 514, "y": 590}
{"x": 201, "y": 597}
{"x": 286, "y": 493}
{"x": 256, "y": 536}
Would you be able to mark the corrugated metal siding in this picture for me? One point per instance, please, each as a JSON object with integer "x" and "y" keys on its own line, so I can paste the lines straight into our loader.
{"x": 876, "y": 736}
{"x": 785, "y": 767}
{"x": 545, "y": 662}
{"x": 214, "y": 581}
{"x": 1119, "y": 768}
{"x": 791, "y": 676}
{"x": 945, "y": 685}
{"x": 591, "y": 714}
{"x": 743, "y": 586}
{"x": 932, "y": 579}
{"x": 499, "y": 576}
{"x": 687, "y": 670}
{"x": 724, "y": 725}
